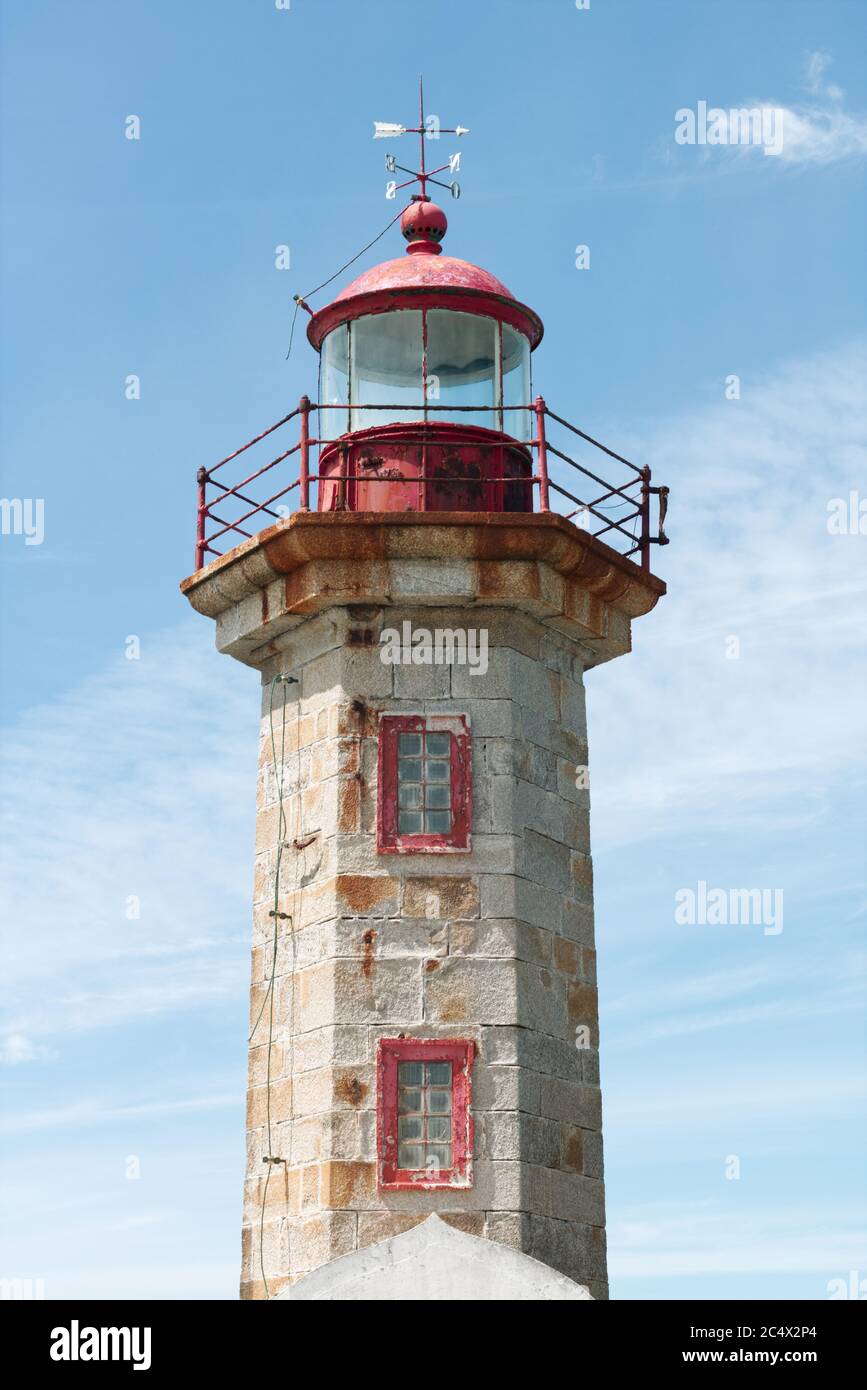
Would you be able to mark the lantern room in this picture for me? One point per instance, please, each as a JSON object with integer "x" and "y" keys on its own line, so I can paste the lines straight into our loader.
{"x": 425, "y": 384}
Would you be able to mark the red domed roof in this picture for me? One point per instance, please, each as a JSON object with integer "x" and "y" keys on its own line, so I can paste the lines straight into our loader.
{"x": 425, "y": 279}
{"x": 425, "y": 272}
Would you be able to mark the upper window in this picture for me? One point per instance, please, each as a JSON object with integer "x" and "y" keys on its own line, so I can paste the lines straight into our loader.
{"x": 463, "y": 368}
{"x": 424, "y": 792}
{"x": 386, "y": 368}
{"x": 424, "y": 364}
{"x": 424, "y": 1122}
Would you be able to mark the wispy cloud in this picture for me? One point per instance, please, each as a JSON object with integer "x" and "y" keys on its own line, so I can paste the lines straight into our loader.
{"x": 129, "y": 817}
{"x": 734, "y": 1096}
{"x": 85, "y": 1114}
{"x": 770, "y": 731}
{"x": 820, "y": 135}
{"x": 769, "y": 991}
{"x": 15, "y": 1048}
{"x": 815, "y": 131}
{"x": 664, "y": 1240}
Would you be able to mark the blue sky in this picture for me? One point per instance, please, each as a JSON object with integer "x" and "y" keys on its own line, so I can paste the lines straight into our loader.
{"x": 127, "y": 1037}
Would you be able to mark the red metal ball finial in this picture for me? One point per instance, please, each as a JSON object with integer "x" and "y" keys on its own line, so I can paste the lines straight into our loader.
{"x": 424, "y": 226}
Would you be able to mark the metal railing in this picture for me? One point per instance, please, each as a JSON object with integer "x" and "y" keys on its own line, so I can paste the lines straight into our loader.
{"x": 620, "y": 514}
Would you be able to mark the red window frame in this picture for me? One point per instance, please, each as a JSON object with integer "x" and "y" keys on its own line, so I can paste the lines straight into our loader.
{"x": 391, "y": 1051}
{"x": 389, "y": 840}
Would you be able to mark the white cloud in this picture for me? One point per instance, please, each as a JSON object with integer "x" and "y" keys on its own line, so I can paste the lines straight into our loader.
{"x": 817, "y": 131}
{"x": 16, "y": 1048}
{"x": 689, "y": 1239}
{"x": 727, "y": 743}
{"x": 140, "y": 781}
{"x": 816, "y": 65}
{"x": 772, "y": 990}
{"x": 819, "y": 135}
{"x": 715, "y": 1098}
{"x": 85, "y": 1114}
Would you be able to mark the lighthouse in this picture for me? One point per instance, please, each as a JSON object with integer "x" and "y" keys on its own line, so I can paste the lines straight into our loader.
{"x": 422, "y": 574}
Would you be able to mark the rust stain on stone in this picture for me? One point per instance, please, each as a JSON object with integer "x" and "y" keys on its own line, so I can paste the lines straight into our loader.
{"x": 349, "y": 805}
{"x": 431, "y": 965}
{"x": 453, "y": 1009}
{"x": 367, "y": 939}
{"x": 360, "y": 892}
{"x": 572, "y": 1153}
{"x": 349, "y": 1089}
{"x": 343, "y": 1184}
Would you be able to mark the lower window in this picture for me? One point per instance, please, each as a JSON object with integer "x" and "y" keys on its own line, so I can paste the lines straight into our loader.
{"x": 424, "y": 1120}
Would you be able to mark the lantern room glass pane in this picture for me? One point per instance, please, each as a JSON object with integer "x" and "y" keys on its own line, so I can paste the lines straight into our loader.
{"x": 386, "y": 368}
{"x": 462, "y": 367}
{"x": 334, "y": 382}
{"x": 516, "y": 384}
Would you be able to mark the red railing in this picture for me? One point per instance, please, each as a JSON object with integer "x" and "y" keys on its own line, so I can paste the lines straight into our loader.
{"x": 620, "y": 514}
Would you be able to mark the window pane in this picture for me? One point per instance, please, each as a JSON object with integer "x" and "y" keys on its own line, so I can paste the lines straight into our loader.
{"x": 462, "y": 366}
{"x": 439, "y": 1102}
{"x": 409, "y": 769}
{"x": 409, "y": 1102}
{"x": 334, "y": 382}
{"x": 409, "y": 795}
{"x": 437, "y": 795}
{"x": 409, "y": 823}
{"x": 439, "y": 1073}
{"x": 410, "y": 1156}
{"x": 516, "y": 384}
{"x": 439, "y": 1156}
{"x": 386, "y": 368}
{"x": 438, "y": 745}
{"x": 438, "y": 772}
{"x": 410, "y": 743}
{"x": 410, "y": 1128}
{"x": 410, "y": 1073}
{"x": 438, "y": 822}
{"x": 438, "y": 1127}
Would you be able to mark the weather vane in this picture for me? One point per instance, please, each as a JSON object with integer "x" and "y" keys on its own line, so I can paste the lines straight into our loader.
{"x": 383, "y": 130}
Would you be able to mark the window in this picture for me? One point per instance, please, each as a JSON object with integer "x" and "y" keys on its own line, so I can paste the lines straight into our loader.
{"x": 424, "y": 791}
{"x": 424, "y": 364}
{"x": 386, "y": 368}
{"x": 334, "y": 383}
{"x": 462, "y": 366}
{"x": 516, "y": 384}
{"x": 424, "y": 1123}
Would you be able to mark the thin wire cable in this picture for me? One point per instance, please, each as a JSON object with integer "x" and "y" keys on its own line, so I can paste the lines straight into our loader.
{"x": 269, "y": 996}
{"x": 333, "y": 277}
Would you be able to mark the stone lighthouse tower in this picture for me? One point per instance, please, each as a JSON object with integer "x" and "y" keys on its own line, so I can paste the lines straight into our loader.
{"x": 423, "y": 1029}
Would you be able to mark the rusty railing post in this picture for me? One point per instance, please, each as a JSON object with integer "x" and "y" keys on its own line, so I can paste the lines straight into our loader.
{"x": 541, "y": 445}
{"x": 645, "y": 518}
{"x": 304, "y": 407}
{"x": 201, "y": 513}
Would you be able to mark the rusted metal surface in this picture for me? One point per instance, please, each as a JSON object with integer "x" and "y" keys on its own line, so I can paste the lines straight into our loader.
{"x": 444, "y": 283}
{"x": 429, "y": 467}
{"x": 432, "y": 465}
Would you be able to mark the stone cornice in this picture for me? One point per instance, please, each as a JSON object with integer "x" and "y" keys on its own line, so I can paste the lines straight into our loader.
{"x": 370, "y": 541}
